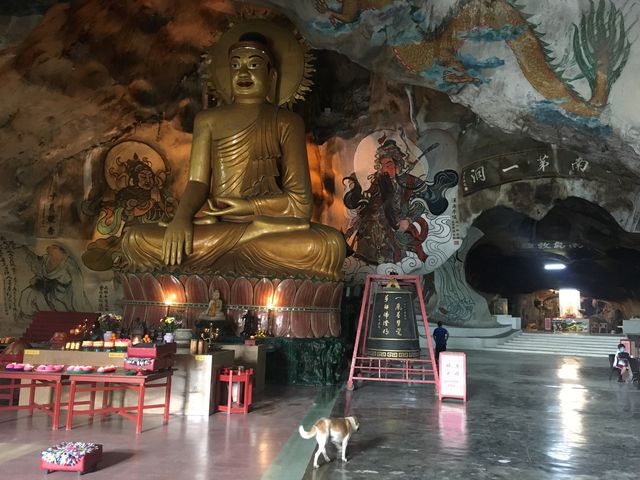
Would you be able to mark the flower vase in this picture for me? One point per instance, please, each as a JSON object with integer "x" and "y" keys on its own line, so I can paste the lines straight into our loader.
{"x": 168, "y": 337}
{"x": 106, "y": 336}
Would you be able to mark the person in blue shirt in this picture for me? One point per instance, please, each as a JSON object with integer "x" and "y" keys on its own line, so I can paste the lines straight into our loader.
{"x": 440, "y": 335}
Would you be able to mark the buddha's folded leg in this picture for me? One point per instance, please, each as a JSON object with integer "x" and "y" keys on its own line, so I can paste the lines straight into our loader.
{"x": 142, "y": 247}
{"x": 220, "y": 248}
{"x": 211, "y": 243}
{"x": 316, "y": 252}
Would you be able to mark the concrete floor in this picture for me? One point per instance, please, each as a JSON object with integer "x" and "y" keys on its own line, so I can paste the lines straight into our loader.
{"x": 527, "y": 417}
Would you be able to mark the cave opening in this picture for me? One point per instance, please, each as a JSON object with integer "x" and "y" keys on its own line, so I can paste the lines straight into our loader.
{"x": 594, "y": 254}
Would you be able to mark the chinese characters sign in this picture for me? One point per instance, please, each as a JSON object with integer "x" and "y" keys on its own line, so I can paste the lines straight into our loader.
{"x": 453, "y": 375}
{"x": 531, "y": 164}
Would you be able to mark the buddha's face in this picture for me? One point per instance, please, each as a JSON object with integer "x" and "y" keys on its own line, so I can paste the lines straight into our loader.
{"x": 250, "y": 75}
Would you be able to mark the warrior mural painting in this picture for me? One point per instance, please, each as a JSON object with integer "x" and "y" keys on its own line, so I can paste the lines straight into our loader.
{"x": 391, "y": 214}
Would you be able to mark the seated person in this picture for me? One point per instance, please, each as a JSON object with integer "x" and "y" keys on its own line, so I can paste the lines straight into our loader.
{"x": 249, "y": 163}
{"x": 621, "y": 361}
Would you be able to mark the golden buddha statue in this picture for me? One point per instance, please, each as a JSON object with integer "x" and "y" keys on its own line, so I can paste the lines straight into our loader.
{"x": 249, "y": 165}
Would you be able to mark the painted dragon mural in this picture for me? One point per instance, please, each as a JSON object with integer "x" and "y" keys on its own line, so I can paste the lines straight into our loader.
{"x": 600, "y": 45}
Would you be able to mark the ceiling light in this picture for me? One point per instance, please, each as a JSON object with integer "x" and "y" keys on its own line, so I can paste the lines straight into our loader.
{"x": 554, "y": 266}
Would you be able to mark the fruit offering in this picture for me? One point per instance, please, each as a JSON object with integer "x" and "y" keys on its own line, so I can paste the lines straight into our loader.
{"x": 49, "y": 368}
{"x": 107, "y": 369}
{"x": 18, "y": 367}
{"x": 80, "y": 369}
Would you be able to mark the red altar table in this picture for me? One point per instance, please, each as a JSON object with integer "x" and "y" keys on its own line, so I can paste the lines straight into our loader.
{"x": 54, "y": 380}
{"x": 111, "y": 382}
{"x": 242, "y": 381}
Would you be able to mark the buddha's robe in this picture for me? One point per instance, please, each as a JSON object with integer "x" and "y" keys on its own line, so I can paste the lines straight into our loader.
{"x": 278, "y": 240}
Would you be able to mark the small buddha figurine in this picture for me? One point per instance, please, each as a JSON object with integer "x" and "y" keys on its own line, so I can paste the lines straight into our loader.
{"x": 214, "y": 311}
{"x": 249, "y": 165}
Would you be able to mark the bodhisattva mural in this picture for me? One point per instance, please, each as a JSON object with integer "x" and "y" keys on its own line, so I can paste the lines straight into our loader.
{"x": 392, "y": 206}
{"x": 134, "y": 191}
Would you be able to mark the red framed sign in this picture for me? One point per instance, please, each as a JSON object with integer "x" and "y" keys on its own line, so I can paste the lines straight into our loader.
{"x": 453, "y": 375}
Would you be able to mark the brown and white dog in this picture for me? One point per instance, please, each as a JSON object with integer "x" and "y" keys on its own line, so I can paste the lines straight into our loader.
{"x": 338, "y": 430}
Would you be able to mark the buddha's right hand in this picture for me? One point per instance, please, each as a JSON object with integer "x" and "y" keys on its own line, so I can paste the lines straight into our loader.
{"x": 178, "y": 238}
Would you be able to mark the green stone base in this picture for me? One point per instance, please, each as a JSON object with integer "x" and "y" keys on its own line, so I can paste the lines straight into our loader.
{"x": 305, "y": 361}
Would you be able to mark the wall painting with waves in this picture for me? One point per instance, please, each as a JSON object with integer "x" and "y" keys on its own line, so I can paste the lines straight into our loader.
{"x": 400, "y": 202}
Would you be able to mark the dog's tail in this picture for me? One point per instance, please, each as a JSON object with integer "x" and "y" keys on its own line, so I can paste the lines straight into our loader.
{"x": 304, "y": 434}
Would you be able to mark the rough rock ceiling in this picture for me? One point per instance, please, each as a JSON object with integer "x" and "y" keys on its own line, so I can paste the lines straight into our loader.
{"x": 89, "y": 73}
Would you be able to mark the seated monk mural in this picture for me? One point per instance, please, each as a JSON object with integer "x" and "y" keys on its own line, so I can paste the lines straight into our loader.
{"x": 247, "y": 205}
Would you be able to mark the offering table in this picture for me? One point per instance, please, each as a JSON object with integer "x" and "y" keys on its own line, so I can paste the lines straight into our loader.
{"x": 193, "y": 384}
{"x": 31, "y": 381}
{"x": 119, "y": 381}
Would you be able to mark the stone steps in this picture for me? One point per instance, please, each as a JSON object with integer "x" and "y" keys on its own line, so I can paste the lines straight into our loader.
{"x": 561, "y": 344}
